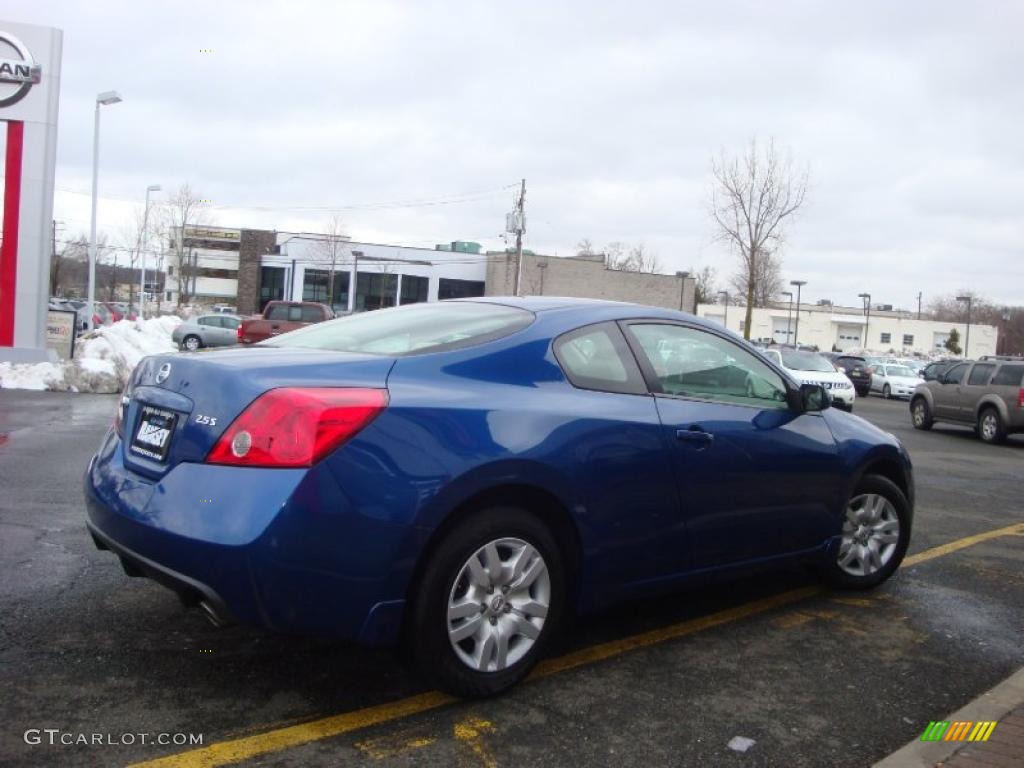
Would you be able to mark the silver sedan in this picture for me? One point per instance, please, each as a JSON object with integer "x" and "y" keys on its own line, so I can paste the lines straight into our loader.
{"x": 219, "y": 330}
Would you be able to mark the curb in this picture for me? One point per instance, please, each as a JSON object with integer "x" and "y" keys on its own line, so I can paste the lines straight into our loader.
{"x": 991, "y": 705}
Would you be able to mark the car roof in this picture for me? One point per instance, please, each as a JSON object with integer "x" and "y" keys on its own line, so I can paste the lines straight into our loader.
{"x": 591, "y": 310}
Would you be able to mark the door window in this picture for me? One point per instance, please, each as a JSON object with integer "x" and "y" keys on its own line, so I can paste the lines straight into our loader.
{"x": 230, "y": 322}
{"x": 980, "y": 373}
{"x": 955, "y": 375}
{"x": 687, "y": 362}
{"x": 210, "y": 320}
{"x": 278, "y": 312}
{"x": 596, "y": 357}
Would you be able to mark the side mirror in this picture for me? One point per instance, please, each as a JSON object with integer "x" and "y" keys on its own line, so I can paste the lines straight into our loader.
{"x": 813, "y": 398}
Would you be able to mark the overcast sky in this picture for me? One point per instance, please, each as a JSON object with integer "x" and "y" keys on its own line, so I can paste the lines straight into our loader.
{"x": 909, "y": 115}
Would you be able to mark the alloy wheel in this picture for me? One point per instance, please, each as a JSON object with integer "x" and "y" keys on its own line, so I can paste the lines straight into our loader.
{"x": 918, "y": 413}
{"x": 989, "y": 426}
{"x": 870, "y": 534}
{"x": 498, "y": 604}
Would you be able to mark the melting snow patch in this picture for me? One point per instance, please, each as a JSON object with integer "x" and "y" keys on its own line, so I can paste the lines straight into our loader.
{"x": 104, "y": 358}
{"x": 740, "y": 743}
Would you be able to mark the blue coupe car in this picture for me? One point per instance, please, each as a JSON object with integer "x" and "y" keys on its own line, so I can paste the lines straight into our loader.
{"x": 459, "y": 477}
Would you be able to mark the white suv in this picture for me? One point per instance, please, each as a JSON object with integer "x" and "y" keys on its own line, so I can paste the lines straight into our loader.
{"x": 811, "y": 368}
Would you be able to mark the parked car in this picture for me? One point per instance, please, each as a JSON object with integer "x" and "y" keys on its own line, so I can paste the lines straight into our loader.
{"x": 225, "y": 309}
{"x": 932, "y": 371}
{"x": 893, "y": 380}
{"x": 207, "y": 331}
{"x": 857, "y": 371}
{"x": 461, "y": 476}
{"x": 280, "y": 317}
{"x": 987, "y": 394}
{"x": 811, "y": 368}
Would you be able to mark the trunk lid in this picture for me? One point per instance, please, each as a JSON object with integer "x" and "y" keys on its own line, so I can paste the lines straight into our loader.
{"x": 195, "y": 397}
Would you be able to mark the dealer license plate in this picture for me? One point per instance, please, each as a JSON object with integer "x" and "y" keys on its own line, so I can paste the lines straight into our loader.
{"x": 153, "y": 437}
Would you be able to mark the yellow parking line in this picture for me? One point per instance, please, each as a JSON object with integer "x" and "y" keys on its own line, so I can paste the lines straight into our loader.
{"x": 968, "y": 541}
{"x": 236, "y": 750}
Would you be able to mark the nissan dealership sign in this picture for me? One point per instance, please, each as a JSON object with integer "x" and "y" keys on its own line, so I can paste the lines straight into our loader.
{"x": 18, "y": 70}
{"x": 29, "y": 99}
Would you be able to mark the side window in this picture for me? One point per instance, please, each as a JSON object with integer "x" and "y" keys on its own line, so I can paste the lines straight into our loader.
{"x": 278, "y": 312}
{"x": 210, "y": 320}
{"x": 980, "y": 373}
{"x": 597, "y": 357}
{"x": 955, "y": 375}
{"x": 230, "y": 322}
{"x": 1009, "y": 376}
{"x": 694, "y": 363}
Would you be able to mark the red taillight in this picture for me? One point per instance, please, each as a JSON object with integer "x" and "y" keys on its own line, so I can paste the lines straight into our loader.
{"x": 1020, "y": 398}
{"x": 296, "y": 426}
{"x": 238, "y": 332}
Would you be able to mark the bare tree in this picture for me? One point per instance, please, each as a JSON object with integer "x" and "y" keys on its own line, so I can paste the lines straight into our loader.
{"x": 637, "y": 258}
{"x": 68, "y": 266}
{"x": 330, "y": 250}
{"x": 585, "y": 247}
{"x": 752, "y": 199}
{"x": 767, "y": 284}
{"x": 179, "y": 211}
{"x": 706, "y": 288}
{"x": 131, "y": 237}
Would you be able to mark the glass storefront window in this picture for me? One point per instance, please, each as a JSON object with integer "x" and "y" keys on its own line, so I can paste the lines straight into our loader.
{"x": 414, "y": 289}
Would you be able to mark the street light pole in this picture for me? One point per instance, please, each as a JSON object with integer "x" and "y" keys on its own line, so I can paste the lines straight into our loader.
{"x": 866, "y": 302}
{"x": 726, "y": 294}
{"x": 789, "y": 317}
{"x": 967, "y": 340}
{"x": 142, "y": 252}
{"x": 105, "y": 98}
{"x": 796, "y": 333}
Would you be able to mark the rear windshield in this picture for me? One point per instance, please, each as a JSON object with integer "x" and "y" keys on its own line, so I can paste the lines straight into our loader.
{"x": 415, "y": 329}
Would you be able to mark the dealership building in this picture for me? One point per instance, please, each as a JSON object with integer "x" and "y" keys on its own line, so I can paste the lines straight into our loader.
{"x": 247, "y": 268}
{"x": 831, "y": 327}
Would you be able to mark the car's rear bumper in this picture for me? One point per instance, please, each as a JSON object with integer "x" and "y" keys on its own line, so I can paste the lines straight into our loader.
{"x": 282, "y": 549}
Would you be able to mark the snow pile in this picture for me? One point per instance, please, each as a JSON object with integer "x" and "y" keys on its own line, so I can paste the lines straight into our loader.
{"x": 104, "y": 358}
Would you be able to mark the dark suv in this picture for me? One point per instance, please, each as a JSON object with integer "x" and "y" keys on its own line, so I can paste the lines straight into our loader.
{"x": 857, "y": 371}
{"x": 987, "y": 394}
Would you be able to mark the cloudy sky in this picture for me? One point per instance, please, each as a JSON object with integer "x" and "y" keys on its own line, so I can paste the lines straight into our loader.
{"x": 414, "y": 119}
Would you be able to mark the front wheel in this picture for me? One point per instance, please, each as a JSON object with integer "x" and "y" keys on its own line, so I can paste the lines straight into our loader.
{"x": 886, "y": 392}
{"x": 874, "y": 536}
{"x": 491, "y": 596}
{"x": 191, "y": 343}
{"x": 921, "y": 414}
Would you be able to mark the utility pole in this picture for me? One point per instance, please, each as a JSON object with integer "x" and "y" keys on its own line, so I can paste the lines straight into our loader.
{"x": 520, "y": 227}
{"x": 919, "y": 305}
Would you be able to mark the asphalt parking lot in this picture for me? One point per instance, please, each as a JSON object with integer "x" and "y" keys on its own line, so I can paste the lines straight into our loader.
{"x": 812, "y": 677}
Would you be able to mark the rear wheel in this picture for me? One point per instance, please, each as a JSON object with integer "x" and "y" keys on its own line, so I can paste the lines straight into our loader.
{"x": 990, "y": 426}
{"x": 921, "y": 414}
{"x": 491, "y": 596}
{"x": 874, "y": 536}
{"x": 191, "y": 343}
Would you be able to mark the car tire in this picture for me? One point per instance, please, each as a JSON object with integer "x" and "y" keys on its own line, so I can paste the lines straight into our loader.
{"x": 874, "y": 536}
{"x": 192, "y": 343}
{"x": 921, "y": 414}
{"x": 990, "y": 427}
{"x": 485, "y": 652}
{"x": 887, "y": 392}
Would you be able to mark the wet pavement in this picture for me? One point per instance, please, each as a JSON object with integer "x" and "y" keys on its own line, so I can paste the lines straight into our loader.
{"x": 812, "y": 678}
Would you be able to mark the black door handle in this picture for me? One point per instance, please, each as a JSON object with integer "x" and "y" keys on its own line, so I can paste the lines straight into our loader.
{"x": 696, "y": 436}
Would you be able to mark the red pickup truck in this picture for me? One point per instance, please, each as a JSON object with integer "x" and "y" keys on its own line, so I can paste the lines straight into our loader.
{"x": 280, "y": 317}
